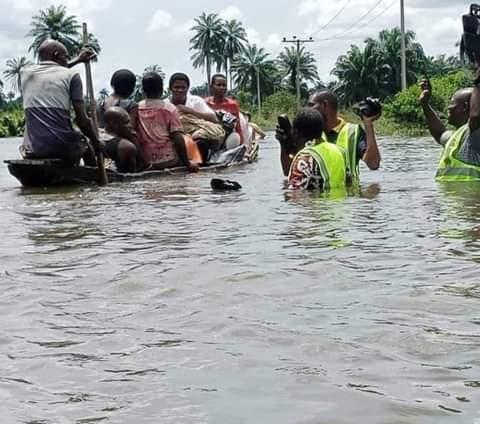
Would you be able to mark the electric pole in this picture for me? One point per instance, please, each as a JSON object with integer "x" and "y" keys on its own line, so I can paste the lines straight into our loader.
{"x": 403, "y": 46}
{"x": 259, "y": 99}
{"x": 298, "y": 42}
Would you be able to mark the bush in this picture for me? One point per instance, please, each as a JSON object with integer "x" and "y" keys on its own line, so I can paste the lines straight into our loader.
{"x": 12, "y": 123}
{"x": 278, "y": 103}
{"x": 404, "y": 108}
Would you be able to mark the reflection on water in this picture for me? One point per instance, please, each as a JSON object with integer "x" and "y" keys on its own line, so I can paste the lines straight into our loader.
{"x": 162, "y": 301}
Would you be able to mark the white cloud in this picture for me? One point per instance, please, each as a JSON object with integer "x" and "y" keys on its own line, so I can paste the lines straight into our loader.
{"x": 231, "y": 12}
{"x": 253, "y": 36}
{"x": 185, "y": 29}
{"x": 160, "y": 20}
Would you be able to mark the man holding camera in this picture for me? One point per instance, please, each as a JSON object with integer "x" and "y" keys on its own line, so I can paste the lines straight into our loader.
{"x": 358, "y": 143}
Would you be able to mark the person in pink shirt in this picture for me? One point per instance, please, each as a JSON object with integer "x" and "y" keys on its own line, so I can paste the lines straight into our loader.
{"x": 219, "y": 101}
{"x": 160, "y": 133}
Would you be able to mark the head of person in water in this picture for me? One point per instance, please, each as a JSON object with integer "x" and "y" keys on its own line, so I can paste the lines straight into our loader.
{"x": 117, "y": 122}
{"x": 179, "y": 84}
{"x": 123, "y": 83}
{"x": 152, "y": 84}
{"x": 53, "y": 51}
{"x": 307, "y": 126}
{"x": 219, "y": 86}
{"x": 326, "y": 102}
{"x": 459, "y": 107}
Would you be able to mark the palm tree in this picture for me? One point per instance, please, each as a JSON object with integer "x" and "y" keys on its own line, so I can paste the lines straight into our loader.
{"x": 287, "y": 61}
{"x": 207, "y": 42}
{"x": 361, "y": 73}
{"x": 12, "y": 73}
{"x": 389, "y": 45}
{"x": 233, "y": 44}
{"x": 92, "y": 42}
{"x": 253, "y": 66}
{"x": 54, "y": 23}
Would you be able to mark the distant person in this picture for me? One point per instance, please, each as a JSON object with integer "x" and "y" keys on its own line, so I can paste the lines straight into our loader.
{"x": 50, "y": 90}
{"x": 199, "y": 121}
{"x": 220, "y": 102}
{"x": 160, "y": 132}
{"x": 123, "y": 83}
{"x": 318, "y": 166}
{"x": 359, "y": 143}
{"x": 116, "y": 136}
{"x": 460, "y": 160}
{"x": 254, "y": 129}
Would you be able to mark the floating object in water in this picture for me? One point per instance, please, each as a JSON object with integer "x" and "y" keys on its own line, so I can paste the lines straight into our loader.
{"x": 218, "y": 184}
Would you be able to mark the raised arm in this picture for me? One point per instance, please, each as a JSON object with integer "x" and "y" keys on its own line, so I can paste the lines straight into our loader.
{"x": 435, "y": 125}
{"x": 371, "y": 156}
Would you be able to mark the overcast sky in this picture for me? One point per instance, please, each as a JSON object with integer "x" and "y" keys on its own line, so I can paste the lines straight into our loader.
{"x": 134, "y": 34}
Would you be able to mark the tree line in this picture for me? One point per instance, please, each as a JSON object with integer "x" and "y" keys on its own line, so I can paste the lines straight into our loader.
{"x": 218, "y": 45}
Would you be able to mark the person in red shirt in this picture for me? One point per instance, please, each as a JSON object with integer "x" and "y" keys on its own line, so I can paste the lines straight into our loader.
{"x": 160, "y": 132}
{"x": 219, "y": 101}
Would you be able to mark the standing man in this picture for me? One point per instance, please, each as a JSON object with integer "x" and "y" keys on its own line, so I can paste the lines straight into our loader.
{"x": 460, "y": 160}
{"x": 359, "y": 143}
{"x": 50, "y": 89}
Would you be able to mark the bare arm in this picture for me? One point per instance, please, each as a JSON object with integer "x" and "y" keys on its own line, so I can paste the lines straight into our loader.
{"x": 435, "y": 125}
{"x": 371, "y": 156}
{"x": 85, "y": 55}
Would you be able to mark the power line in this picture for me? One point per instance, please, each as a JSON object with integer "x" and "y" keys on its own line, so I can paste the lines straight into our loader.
{"x": 333, "y": 18}
{"x": 354, "y": 27}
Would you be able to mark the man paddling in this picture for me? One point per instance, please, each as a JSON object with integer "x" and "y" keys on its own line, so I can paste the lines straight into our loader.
{"x": 50, "y": 89}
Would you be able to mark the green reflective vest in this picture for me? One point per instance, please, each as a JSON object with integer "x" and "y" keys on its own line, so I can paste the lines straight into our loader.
{"x": 347, "y": 139}
{"x": 332, "y": 163}
{"x": 452, "y": 169}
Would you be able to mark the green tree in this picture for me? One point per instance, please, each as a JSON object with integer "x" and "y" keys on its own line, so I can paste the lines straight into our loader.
{"x": 389, "y": 47}
{"x": 207, "y": 43}
{"x": 55, "y": 23}
{"x": 103, "y": 94}
{"x": 287, "y": 61}
{"x": 13, "y": 69}
{"x": 361, "y": 73}
{"x": 442, "y": 65}
{"x": 92, "y": 42}
{"x": 234, "y": 38}
{"x": 255, "y": 60}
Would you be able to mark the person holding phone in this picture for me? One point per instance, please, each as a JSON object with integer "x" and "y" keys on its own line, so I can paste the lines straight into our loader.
{"x": 359, "y": 143}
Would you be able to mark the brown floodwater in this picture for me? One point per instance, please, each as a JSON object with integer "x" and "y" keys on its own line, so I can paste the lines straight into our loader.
{"x": 163, "y": 302}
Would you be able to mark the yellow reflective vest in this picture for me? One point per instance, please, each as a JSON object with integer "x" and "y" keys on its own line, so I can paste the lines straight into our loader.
{"x": 332, "y": 163}
{"x": 452, "y": 169}
{"x": 347, "y": 139}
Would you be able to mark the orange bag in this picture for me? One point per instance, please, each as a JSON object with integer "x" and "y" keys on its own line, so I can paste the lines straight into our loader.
{"x": 193, "y": 152}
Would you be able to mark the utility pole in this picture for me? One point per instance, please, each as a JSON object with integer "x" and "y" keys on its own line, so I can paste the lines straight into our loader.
{"x": 298, "y": 42}
{"x": 259, "y": 99}
{"x": 403, "y": 46}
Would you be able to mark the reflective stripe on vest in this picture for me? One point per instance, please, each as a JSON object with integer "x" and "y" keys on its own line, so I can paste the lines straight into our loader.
{"x": 452, "y": 169}
{"x": 331, "y": 161}
{"x": 347, "y": 139}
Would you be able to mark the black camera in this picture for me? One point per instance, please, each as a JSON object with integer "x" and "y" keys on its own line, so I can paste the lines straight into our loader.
{"x": 470, "y": 44}
{"x": 368, "y": 107}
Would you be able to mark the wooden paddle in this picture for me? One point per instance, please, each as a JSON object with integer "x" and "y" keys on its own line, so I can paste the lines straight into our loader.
{"x": 92, "y": 107}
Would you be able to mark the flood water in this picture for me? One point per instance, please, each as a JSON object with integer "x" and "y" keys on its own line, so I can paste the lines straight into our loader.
{"x": 162, "y": 302}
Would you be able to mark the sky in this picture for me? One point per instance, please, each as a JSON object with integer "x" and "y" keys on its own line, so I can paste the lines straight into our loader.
{"x": 135, "y": 34}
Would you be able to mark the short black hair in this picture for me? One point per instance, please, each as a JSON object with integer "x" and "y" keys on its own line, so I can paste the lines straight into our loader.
{"x": 179, "y": 76}
{"x": 309, "y": 123}
{"x": 329, "y": 96}
{"x": 123, "y": 82}
{"x": 215, "y": 76}
{"x": 152, "y": 84}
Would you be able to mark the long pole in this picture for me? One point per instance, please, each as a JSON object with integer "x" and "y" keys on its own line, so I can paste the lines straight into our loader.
{"x": 298, "y": 42}
{"x": 403, "y": 46}
{"x": 102, "y": 174}
{"x": 259, "y": 99}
